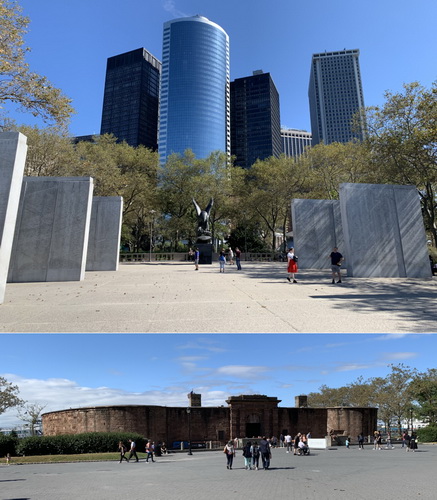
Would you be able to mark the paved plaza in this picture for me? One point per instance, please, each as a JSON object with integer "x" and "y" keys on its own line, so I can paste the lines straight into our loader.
{"x": 173, "y": 298}
{"x": 325, "y": 474}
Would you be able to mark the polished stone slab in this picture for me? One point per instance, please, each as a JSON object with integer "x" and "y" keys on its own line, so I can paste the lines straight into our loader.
{"x": 105, "y": 232}
{"x": 51, "y": 235}
{"x": 317, "y": 228}
{"x": 13, "y": 151}
{"x": 384, "y": 231}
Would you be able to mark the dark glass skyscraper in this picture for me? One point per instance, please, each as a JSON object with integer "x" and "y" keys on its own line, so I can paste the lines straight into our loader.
{"x": 194, "y": 106}
{"x": 131, "y": 98}
{"x": 335, "y": 94}
{"x": 255, "y": 119}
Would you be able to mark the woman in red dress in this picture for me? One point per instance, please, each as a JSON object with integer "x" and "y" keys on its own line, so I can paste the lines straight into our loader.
{"x": 292, "y": 265}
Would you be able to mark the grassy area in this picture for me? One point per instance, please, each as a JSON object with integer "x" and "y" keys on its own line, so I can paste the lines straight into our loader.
{"x": 84, "y": 457}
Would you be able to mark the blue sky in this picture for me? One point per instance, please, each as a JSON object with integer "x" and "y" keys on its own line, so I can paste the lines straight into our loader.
{"x": 71, "y": 42}
{"x": 69, "y": 371}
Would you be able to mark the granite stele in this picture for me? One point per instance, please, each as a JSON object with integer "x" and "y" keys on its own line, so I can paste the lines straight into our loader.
{"x": 51, "y": 235}
{"x": 13, "y": 150}
{"x": 105, "y": 232}
{"x": 317, "y": 228}
{"x": 383, "y": 230}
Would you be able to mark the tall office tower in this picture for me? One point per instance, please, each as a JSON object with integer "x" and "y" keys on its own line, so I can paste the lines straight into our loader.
{"x": 335, "y": 93}
{"x": 194, "y": 104}
{"x": 294, "y": 142}
{"x": 131, "y": 98}
{"x": 255, "y": 119}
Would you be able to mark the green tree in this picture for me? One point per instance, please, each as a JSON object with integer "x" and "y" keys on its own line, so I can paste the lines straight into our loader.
{"x": 424, "y": 388}
{"x": 330, "y": 165}
{"x": 270, "y": 186}
{"x": 402, "y": 139}
{"x": 8, "y": 395}
{"x": 18, "y": 84}
{"x": 394, "y": 396}
{"x": 50, "y": 152}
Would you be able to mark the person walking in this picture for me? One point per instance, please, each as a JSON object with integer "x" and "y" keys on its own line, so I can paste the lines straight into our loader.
{"x": 360, "y": 442}
{"x": 222, "y": 261}
{"x": 288, "y": 440}
{"x": 238, "y": 258}
{"x": 229, "y": 450}
{"x": 336, "y": 260}
{"x": 292, "y": 265}
{"x": 122, "y": 449}
{"x": 149, "y": 451}
{"x": 133, "y": 451}
{"x": 254, "y": 449}
{"x": 266, "y": 455}
{"x": 196, "y": 258}
{"x": 247, "y": 454}
{"x": 231, "y": 256}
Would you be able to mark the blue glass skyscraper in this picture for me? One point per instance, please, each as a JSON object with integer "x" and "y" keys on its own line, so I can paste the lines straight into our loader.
{"x": 195, "y": 80}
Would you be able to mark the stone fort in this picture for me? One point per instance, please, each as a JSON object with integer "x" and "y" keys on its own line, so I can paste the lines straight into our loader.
{"x": 244, "y": 416}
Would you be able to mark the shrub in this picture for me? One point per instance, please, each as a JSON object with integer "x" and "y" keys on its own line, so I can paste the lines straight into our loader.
{"x": 427, "y": 434}
{"x": 69, "y": 444}
{"x": 8, "y": 444}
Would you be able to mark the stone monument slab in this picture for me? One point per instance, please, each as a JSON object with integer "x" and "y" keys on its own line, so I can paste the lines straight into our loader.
{"x": 205, "y": 253}
{"x": 384, "y": 232}
{"x": 105, "y": 231}
{"x": 13, "y": 150}
{"x": 317, "y": 228}
{"x": 51, "y": 235}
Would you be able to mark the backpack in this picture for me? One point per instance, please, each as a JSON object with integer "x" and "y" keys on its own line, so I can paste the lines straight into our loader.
{"x": 295, "y": 258}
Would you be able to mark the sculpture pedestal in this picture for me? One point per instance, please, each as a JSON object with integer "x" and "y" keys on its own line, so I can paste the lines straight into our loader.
{"x": 205, "y": 250}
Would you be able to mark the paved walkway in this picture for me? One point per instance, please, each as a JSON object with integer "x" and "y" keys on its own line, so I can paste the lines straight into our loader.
{"x": 173, "y": 298}
{"x": 329, "y": 475}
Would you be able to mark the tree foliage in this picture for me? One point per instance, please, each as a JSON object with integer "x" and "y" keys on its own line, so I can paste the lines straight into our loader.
{"x": 403, "y": 140}
{"x": 399, "y": 395}
{"x": 8, "y": 395}
{"x": 18, "y": 84}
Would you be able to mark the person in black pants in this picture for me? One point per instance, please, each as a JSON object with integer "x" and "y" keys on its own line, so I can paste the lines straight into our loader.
{"x": 264, "y": 448}
{"x": 133, "y": 452}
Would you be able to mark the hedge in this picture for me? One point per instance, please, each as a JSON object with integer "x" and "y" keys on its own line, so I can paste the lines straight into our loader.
{"x": 8, "y": 444}
{"x": 69, "y": 444}
{"x": 427, "y": 434}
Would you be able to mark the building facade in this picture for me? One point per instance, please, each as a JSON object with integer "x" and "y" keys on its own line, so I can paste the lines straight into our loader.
{"x": 335, "y": 94}
{"x": 295, "y": 142}
{"x": 255, "y": 119}
{"x": 245, "y": 416}
{"x": 131, "y": 98}
{"x": 194, "y": 103}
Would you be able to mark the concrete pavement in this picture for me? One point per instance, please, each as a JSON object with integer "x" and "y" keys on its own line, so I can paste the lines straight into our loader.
{"x": 173, "y": 298}
{"x": 325, "y": 474}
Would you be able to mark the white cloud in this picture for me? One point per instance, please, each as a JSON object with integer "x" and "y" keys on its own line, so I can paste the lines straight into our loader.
{"x": 351, "y": 366}
{"x": 400, "y": 355}
{"x": 242, "y": 371}
{"x": 170, "y": 6}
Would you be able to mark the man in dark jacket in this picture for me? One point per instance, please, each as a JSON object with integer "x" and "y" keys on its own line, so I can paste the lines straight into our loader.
{"x": 264, "y": 448}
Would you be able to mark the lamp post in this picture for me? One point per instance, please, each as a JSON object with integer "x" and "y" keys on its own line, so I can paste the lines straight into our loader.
{"x": 189, "y": 430}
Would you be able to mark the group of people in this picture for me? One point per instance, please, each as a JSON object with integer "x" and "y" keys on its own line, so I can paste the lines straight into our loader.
{"x": 409, "y": 442}
{"x": 151, "y": 450}
{"x": 252, "y": 452}
{"x": 336, "y": 261}
{"x": 261, "y": 448}
{"x": 229, "y": 254}
{"x": 297, "y": 444}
